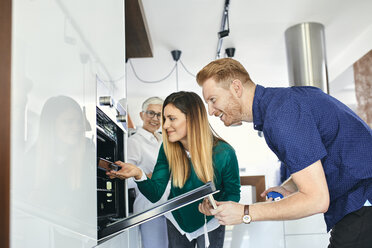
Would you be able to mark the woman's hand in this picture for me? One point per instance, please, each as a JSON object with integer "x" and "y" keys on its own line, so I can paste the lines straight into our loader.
{"x": 205, "y": 207}
{"x": 127, "y": 170}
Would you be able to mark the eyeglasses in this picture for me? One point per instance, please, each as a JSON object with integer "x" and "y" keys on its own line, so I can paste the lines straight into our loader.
{"x": 151, "y": 114}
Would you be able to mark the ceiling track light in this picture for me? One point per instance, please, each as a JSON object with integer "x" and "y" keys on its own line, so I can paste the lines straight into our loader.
{"x": 230, "y": 52}
{"x": 224, "y": 31}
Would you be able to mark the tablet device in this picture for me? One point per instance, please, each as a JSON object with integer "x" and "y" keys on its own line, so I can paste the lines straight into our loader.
{"x": 212, "y": 201}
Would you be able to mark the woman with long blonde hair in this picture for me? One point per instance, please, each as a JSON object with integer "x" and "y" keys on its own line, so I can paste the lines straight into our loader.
{"x": 190, "y": 156}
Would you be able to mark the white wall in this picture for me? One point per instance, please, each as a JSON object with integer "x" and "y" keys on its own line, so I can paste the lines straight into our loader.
{"x": 343, "y": 88}
{"x": 349, "y": 55}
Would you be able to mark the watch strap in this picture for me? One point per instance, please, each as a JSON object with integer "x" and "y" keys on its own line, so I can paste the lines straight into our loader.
{"x": 246, "y": 209}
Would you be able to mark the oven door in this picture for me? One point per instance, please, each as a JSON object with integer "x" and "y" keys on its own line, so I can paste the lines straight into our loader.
{"x": 170, "y": 205}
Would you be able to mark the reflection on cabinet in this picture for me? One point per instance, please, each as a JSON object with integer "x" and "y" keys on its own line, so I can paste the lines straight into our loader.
{"x": 59, "y": 50}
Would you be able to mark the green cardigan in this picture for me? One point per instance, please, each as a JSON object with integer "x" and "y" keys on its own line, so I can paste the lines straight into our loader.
{"x": 226, "y": 179}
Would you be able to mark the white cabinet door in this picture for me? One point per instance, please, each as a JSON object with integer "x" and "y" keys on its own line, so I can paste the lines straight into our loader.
{"x": 59, "y": 48}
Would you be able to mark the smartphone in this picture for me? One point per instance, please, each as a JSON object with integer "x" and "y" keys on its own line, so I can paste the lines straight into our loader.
{"x": 274, "y": 195}
{"x": 107, "y": 165}
{"x": 212, "y": 201}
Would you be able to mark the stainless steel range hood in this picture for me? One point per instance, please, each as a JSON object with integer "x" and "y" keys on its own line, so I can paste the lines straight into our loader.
{"x": 306, "y": 55}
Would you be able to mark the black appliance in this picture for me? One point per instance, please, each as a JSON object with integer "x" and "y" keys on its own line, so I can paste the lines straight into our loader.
{"x": 111, "y": 193}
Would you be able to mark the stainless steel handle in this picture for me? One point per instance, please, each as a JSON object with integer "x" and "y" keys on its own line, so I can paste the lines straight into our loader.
{"x": 106, "y": 100}
{"x": 121, "y": 118}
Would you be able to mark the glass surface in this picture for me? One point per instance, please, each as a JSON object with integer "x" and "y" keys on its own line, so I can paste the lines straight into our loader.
{"x": 59, "y": 48}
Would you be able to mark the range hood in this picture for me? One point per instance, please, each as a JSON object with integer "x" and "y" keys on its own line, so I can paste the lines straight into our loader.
{"x": 306, "y": 55}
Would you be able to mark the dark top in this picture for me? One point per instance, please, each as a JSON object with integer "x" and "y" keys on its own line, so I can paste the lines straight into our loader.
{"x": 226, "y": 179}
{"x": 303, "y": 125}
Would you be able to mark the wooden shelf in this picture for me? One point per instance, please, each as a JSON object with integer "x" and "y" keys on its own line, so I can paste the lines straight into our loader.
{"x": 137, "y": 37}
{"x": 258, "y": 182}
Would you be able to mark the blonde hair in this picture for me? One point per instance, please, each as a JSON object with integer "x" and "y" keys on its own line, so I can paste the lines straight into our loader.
{"x": 200, "y": 138}
{"x": 224, "y": 71}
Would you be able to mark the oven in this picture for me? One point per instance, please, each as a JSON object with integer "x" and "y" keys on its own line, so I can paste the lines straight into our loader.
{"x": 111, "y": 193}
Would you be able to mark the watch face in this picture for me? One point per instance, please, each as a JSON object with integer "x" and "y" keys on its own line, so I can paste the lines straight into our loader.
{"x": 247, "y": 219}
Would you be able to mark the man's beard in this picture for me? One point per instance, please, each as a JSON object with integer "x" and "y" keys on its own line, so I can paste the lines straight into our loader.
{"x": 233, "y": 113}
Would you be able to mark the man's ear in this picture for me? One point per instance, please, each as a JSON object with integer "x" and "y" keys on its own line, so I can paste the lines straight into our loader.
{"x": 141, "y": 115}
{"x": 237, "y": 87}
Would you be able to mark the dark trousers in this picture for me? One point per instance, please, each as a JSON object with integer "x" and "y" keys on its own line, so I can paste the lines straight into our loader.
{"x": 176, "y": 240}
{"x": 353, "y": 231}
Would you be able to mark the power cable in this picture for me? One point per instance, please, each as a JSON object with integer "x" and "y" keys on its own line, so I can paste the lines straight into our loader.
{"x": 151, "y": 82}
{"x": 110, "y": 81}
{"x": 184, "y": 67}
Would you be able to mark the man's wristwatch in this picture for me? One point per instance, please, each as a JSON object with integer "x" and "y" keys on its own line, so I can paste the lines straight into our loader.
{"x": 246, "y": 217}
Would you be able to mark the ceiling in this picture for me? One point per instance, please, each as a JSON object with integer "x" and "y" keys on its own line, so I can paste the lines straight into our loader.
{"x": 256, "y": 31}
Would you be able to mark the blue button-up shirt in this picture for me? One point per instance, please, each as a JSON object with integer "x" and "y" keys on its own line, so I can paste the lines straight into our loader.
{"x": 302, "y": 125}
